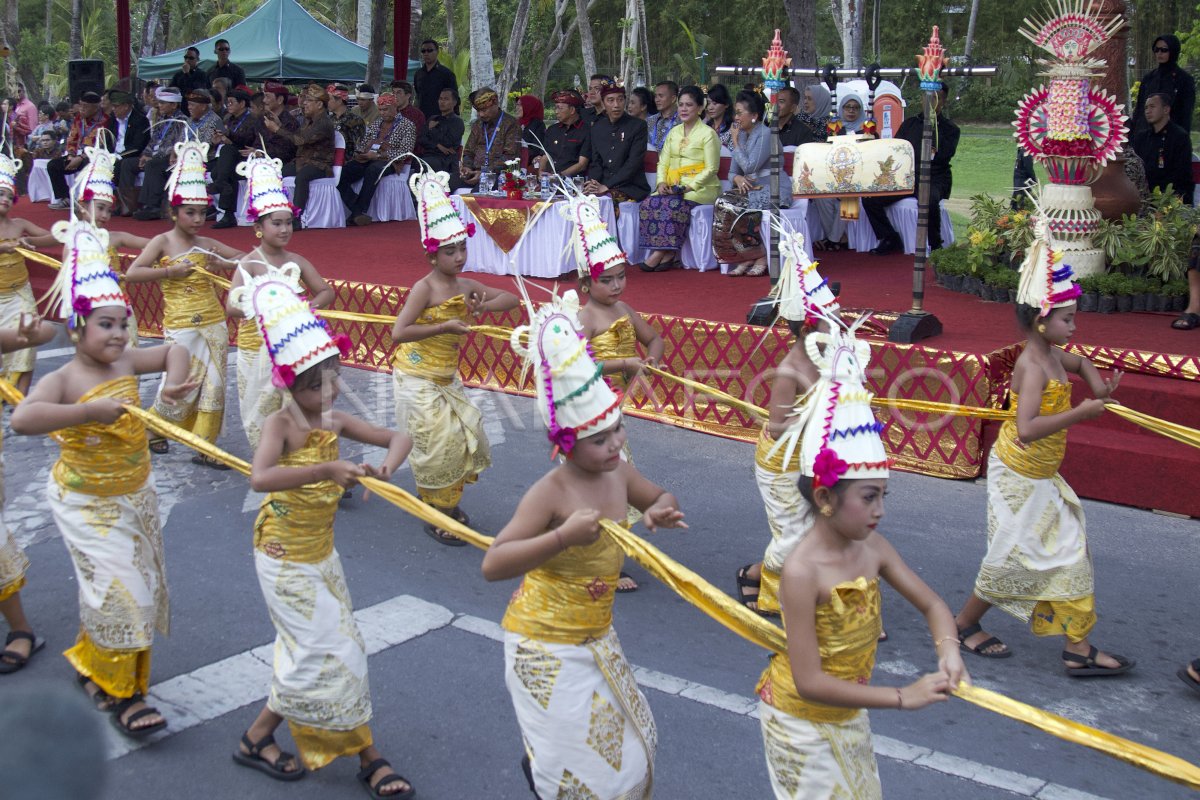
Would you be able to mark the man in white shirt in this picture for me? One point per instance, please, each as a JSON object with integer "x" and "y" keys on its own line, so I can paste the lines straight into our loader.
{"x": 130, "y": 131}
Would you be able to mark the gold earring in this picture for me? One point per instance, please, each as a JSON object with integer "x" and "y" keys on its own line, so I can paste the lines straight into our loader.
{"x": 584, "y": 289}
{"x": 1041, "y": 328}
{"x": 826, "y": 511}
{"x": 258, "y": 234}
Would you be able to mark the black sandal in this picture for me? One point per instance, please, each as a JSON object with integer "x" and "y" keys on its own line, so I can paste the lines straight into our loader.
{"x": 981, "y": 648}
{"x": 459, "y": 516}
{"x": 1189, "y": 321}
{"x": 443, "y": 536}
{"x": 745, "y": 582}
{"x": 100, "y": 699}
{"x": 1088, "y": 668}
{"x": 364, "y": 777}
{"x": 1191, "y": 682}
{"x": 204, "y": 461}
{"x": 16, "y": 661}
{"x": 275, "y": 769}
{"x": 159, "y": 447}
{"x": 126, "y": 726}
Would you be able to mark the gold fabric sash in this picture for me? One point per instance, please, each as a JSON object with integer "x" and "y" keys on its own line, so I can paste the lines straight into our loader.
{"x": 568, "y": 599}
{"x": 13, "y": 272}
{"x": 434, "y": 358}
{"x": 848, "y": 628}
{"x": 618, "y": 340}
{"x": 1041, "y": 458}
{"x": 675, "y": 175}
{"x": 763, "y": 455}
{"x": 104, "y": 460}
{"x": 189, "y": 302}
{"x": 297, "y": 524}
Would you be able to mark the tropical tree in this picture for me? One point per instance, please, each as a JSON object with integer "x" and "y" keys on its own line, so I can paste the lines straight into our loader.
{"x": 482, "y": 71}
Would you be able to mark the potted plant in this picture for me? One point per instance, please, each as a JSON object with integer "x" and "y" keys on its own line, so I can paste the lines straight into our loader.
{"x": 1090, "y": 299}
{"x": 1006, "y": 290}
{"x": 1177, "y": 292}
{"x": 988, "y": 290}
{"x": 950, "y": 264}
{"x": 1141, "y": 295}
{"x": 1107, "y": 286}
{"x": 1125, "y": 291}
{"x": 1155, "y": 299}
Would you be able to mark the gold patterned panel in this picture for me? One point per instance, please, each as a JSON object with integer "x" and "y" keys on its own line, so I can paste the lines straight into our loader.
{"x": 296, "y": 591}
{"x": 104, "y": 460}
{"x": 538, "y": 670}
{"x": 855, "y": 756}
{"x": 571, "y": 788}
{"x": 101, "y": 514}
{"x": 787, "y": 762}
{"x": 1016, "y": 491}
{"x": 606, "y": 731}
{"x": 189, "y": 302}
{"x": 434, "y": 358}
{"x": 13, "y": 272}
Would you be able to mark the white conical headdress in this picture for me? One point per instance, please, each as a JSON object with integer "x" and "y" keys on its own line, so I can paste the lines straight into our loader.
{"x": 86, "y": 280}
{"x": 264, "y": 185}
{"x": 595, "y": 247}
{"x": 95, "y": 180}
{"x": 188, "y": 181}
{"x": 295, "y": 338}
{"x": 1046, "y": 282}
{"x": 572, "y": 396}
{"x": 803, "y": 294}
{"x": 439, "y": 220}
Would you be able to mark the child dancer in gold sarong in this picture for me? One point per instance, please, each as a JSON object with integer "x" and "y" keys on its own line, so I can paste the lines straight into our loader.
{"x": 100, "y": 490}
{"x": 1038, "y": 567}
{"x": 614, "y": 330}
{"x": 16, "y": 295}
{"x": 563, "y": 662}
{"x": 21, "y": 642}
{"x": 450, "y": 448}
{"x": 815, "y": 731}
{"x": 192, "y": 314}
{"x": 320, "y": 673}
{"x": 258, "y": 396}
{"x": 804, "y": 298}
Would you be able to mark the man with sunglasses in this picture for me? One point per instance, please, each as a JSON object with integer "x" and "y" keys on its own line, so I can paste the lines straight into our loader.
{"x": 190, "y": 77}
{"x": 431, "y": 78}
{"x": 224, "y": 68}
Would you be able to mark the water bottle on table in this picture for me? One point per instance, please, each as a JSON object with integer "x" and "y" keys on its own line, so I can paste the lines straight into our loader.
{"x": 544, "y": 182}
{"x": 485, "y": 182}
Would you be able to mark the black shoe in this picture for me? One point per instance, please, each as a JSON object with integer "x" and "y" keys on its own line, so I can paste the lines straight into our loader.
{"x": 361, "y": 220}
{"x": 145, "y": 214}
{"x": 226, "y": 221}
{"x": 886, "y": 248}
{"x": 211, "y": 214}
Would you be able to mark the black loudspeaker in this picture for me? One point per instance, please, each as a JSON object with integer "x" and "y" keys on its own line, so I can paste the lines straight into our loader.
{"x": 84, "y": 75}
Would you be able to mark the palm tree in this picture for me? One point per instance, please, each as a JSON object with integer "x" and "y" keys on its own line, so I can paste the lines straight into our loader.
{"x": 483, "y": 73}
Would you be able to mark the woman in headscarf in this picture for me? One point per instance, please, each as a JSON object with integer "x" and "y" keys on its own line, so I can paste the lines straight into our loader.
{"x": 1170, "y": 78}
{"x": 852, "y": 109}
{"x": 815, "y": 111}
{"x": 532, "y": 120}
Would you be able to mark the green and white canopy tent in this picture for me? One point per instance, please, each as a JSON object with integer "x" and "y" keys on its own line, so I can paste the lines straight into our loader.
{"x": 279, "y": 40}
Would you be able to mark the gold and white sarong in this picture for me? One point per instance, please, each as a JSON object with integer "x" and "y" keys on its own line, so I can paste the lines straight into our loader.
{"x": 13, "y": 303}
{"x": 789, "y": 515}
{"x": 1037, "y": 567}
{"x": 819, "y": 760}
{"x": 587, "y": 728}
{"x": 320, "y": 681}
{"x": 13, "y": 563}
{"x": 258, "y": 398}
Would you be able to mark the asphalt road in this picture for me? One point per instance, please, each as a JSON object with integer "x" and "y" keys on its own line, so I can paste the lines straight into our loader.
{"x": 442, "y": 714}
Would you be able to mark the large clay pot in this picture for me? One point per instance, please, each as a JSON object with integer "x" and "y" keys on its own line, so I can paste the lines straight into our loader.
{"x": 1115, "y": 194}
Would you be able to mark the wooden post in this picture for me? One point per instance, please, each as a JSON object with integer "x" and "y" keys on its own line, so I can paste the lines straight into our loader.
{"x": 123, "y": 41}
{"x": 401, "y": 25}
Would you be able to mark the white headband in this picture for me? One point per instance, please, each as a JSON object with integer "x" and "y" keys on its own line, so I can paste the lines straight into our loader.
{"x": 168, "y": 95}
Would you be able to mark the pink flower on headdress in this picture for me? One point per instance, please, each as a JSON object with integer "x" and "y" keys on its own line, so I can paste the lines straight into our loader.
{"x": 563, "y": 439}
{"x": 470, "y": 229}
{"x": 283, "y": 376}
{"x": 344, "y": 345}
{"x": 88, "y": 194}
{"x": 82, "y": 305}
{"x": 828, "y": 468}
{"x": 431, "y": 245}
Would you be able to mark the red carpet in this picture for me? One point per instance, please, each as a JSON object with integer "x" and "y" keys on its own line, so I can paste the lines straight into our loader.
{"x": 1108, "y": 459}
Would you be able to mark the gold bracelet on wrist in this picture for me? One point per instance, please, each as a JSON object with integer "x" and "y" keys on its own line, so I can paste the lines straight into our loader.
{"x": 938, "y": 642}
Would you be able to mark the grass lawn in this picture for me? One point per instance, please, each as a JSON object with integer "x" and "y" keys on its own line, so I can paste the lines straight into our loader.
{"x": 983, "y": 163}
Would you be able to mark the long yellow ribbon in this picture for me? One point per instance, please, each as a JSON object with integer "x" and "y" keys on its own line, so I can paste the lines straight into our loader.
{"x": 697, "y": 591}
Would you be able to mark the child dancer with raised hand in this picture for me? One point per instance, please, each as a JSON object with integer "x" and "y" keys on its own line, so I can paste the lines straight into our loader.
{"x": 192, "y": 314}
{"x": 450, "y": 448}
{"x": 20, "y": 643}
{"x": 320, "y": 673}
{"x": 805, "y": 300}
{"x": 562, "y": 661}
{"x": 1038, "y": 567}
{"x": 16, "y": 295}
{"x": 614, "y": 330}
{"x": 258, "y": 397}
{"x": 100, "y": 490}
{"x": 815, "y": 731}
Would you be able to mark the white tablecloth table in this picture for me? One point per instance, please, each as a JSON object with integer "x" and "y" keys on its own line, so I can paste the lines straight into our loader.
{"x": 544, "y": 252}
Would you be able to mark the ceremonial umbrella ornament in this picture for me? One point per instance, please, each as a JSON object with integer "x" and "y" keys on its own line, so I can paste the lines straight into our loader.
{"x": 772, "y": 67}
{"x": 1072, "y": 127}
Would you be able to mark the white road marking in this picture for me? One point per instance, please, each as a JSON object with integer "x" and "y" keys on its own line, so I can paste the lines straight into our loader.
{"x": 214, "y": 690}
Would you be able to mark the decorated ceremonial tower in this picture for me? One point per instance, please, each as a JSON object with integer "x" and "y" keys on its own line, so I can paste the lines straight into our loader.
{"x": 1072, "y": 127}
